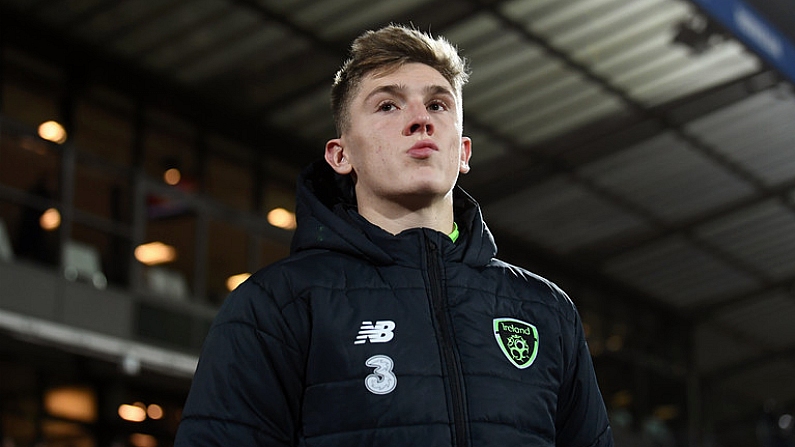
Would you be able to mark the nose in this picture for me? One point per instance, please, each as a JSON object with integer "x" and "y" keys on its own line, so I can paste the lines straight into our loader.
{"x": 420, "y": 122}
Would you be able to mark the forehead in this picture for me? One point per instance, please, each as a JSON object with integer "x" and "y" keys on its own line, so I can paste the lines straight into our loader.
{"x": 408, "y": 76}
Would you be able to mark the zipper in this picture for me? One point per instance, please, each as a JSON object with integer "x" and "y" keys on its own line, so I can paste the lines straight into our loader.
{"x": 447, "y": 348}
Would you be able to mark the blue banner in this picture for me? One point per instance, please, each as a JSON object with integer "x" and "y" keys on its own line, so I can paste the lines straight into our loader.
{"x": 755, "y": 31}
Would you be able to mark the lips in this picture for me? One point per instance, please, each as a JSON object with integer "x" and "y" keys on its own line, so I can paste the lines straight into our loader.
{"x": 423, "y": 149}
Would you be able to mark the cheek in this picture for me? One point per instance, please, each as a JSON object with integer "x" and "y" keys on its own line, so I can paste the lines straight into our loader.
{"x": 373, "y": 140}
{"x": 366, "y": 150}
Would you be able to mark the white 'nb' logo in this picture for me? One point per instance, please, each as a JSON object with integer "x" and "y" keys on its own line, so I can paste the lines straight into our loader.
{"x": 380, "y": 332}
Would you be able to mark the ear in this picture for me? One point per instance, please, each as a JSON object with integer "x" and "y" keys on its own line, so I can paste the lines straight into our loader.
{"x": 466, "y": 153}
{"x": 335, "y": 157}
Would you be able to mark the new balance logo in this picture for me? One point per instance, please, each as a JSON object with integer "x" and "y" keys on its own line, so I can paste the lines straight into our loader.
{"x": 380, "y": 332}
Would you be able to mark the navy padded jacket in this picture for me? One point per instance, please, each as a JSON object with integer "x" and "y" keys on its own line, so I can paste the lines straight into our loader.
{"x": 362, "y": 338}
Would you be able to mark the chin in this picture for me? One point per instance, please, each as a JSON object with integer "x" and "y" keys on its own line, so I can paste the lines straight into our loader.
{"x": 429, "y": 192}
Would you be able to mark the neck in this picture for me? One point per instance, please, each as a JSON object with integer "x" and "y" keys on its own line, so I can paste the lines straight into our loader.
{"x": 395, "y": 217}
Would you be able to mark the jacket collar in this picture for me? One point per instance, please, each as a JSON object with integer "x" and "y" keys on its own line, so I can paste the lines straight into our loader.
{"x": 327, "y": 219}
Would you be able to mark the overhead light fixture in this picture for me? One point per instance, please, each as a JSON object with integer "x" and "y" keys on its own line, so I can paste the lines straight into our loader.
{"x": 50, "y": 219}
{"x": 172, "y": 176}
{"x": 132, "y": 413}
{"x": 52, "y": 131}
{"x": 71, "y": 402}
{"x": 698, "y": 34}
{"x": 138, "y": 412}
{"x": 154, "y": 411}
{"x": 235, "y": 280}
{"x": 154, "y": 253}
{"x": 143, "y": 440}
{"x": 281, "y": 218}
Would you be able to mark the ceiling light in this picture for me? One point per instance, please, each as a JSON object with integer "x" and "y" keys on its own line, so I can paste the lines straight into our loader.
{"x": 50, "y": 219}
{"x": 155, "y": 253}
{"x": 172, "y": 176}
{"x": 132, "y": 413}
{"x": 154, "y": 411}
{"x": 235, "y": 280}
{"x": 143, "y": 440}
{"x": 281, "y": 218}
{"x": 698, "y": 35}
{"x": 52, "y": 131}
{"x": 75, "y": 403}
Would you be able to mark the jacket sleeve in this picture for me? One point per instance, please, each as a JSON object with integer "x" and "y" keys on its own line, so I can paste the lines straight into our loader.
{"x": 248, "y": 384}
{"x": 581, "y": 420}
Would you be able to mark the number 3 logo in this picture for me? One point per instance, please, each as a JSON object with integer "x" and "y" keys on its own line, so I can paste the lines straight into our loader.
{"x": 382, "y": 380}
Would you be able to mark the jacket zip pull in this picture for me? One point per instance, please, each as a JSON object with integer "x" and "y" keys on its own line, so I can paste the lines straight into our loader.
{"x": 445, "y": 335}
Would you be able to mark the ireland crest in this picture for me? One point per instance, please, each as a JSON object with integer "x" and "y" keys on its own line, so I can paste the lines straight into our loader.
{"x": 518, "y": 341}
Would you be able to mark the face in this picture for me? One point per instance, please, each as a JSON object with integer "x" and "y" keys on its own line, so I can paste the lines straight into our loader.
{"x": 404, "y": 138}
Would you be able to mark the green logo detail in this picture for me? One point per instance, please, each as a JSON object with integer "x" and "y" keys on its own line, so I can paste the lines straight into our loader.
{"x": 518, "y": 341}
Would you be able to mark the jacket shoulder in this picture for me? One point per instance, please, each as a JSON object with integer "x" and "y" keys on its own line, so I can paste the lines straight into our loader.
{"x": 289, "y": 279}
{"x": 526, "y": 285}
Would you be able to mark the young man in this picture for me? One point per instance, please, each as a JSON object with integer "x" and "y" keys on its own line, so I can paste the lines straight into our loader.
{"x": 392, "y": 324}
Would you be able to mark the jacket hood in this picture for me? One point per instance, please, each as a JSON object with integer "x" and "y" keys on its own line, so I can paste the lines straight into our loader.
{"x": 327, "y": 219}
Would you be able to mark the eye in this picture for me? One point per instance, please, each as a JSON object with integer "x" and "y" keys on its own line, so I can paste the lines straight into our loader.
{"x": 387, "y": 106}
{"x": 437, "y": 106}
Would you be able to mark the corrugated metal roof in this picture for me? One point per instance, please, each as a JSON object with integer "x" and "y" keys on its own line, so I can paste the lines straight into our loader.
{"x": 762, "y": 234}
{"x": 716, "y": 349}
{"x": 679, "y": 273}
{"x": 755, "y": 133}
{"x": 668, "y": 177}
{"x": 767, "y": 319}
{"x": 562, "y": 215}
{"x": 597, "y": 137}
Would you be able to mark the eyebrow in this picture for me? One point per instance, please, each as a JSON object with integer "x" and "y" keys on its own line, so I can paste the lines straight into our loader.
{"x": 399, "y": 90}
